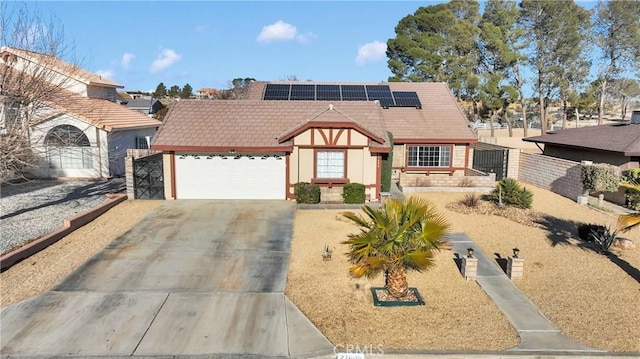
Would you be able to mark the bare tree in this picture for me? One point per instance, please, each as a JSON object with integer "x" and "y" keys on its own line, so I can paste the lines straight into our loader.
{"x": 29, "y": 79}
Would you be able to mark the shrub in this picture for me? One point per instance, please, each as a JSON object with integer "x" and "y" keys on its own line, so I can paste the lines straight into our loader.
{"x": 307, "y": 193}
{"x": 353, "y": 193}
{"x": 632, "y": 198}
{"x": 585, "y": 231}
{"x": 470, "y": 200}
{"x": 604, "y": 239}
{"x": 508, "y": 192}
{"x": 600, "y": 177}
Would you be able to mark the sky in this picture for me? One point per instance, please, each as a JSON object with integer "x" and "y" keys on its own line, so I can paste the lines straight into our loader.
{"x": 208, "y": 43}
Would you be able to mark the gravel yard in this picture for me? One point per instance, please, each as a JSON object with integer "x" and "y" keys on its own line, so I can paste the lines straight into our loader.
{"x": 35, "y": 208}
{"x": 588, "y": 296}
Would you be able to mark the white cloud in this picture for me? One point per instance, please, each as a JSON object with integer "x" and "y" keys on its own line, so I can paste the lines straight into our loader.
{"x": 280, "y": 31}
{"x": 105, "y": 73}
{"x": 166, "y": 58}
{"x": 370, "y": 52}
{"x": 126, "y": 60}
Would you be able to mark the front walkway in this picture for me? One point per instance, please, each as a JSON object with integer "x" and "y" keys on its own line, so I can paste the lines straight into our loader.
{"x": 537, "y": 333}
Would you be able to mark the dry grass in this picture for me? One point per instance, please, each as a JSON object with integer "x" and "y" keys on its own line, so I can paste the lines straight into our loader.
{"x": 586, "y": 295}
{"x": 40, "y": 272}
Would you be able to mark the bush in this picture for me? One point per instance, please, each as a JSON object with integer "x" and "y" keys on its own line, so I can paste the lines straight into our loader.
{"x": 353, "y": 193}
{"x": 585, "y": 231}
{"x": 307, "y": 193}
{"x": 470, "y": 200}
{"x": 600, "y": 235}
{"x": 600, "y": 177}
{"x": 632, "y": 198}
{"x": 508, "y": 192}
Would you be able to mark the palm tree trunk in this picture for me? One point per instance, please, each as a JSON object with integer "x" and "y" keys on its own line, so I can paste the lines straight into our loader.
{"x": 397, "y": 284}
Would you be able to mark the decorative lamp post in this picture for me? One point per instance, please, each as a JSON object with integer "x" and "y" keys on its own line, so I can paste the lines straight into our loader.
{"x": 516, "y": 251}
{"x": 470, "y": 252}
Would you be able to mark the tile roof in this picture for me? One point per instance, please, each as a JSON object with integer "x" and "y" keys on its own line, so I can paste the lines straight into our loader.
{"x": 255, "y": 124}
{"x": 62, "y": 67}
{"x": 440, "y": 118}
{"x": 624, "y": 138}
{"x": 101, "y": 113}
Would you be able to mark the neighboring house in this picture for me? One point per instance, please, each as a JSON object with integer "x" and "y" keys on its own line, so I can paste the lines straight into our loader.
{"x": 324, "y": 133}
{"x": 206, "y": 93}
{"x": 616, "y": 144}
{"x": 78, "y": 131}
{"x": 144, "y": 106}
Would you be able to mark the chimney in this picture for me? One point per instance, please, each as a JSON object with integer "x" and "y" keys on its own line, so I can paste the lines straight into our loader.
{"x": 635, "y": 117}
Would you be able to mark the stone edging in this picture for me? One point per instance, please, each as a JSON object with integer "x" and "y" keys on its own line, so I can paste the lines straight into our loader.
{"x": 9, "y": 259}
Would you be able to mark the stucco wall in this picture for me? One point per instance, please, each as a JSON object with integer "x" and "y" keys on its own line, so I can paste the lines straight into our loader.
{"x": 572, "y": 154}
{"x": 119, "y": 143}
{"x": 97, "y": 138}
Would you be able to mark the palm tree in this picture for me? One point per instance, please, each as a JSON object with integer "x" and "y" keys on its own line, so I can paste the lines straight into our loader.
{"x": 627, "y": 222}
{"x": 399, "y": 236}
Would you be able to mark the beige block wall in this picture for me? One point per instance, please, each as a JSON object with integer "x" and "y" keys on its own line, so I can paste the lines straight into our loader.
{"x": 459, "y": 156}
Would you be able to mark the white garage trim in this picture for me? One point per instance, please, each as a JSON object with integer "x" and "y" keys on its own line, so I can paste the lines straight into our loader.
{"x": 225, "y": 176}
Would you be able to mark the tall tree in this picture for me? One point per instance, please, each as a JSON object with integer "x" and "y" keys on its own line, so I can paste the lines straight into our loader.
{"x": 174, "y": 91}
{"x": 25, "y": 90}
{"x": 555, "y": 32}
{"x": 186, "y": 92}
{"x": 499, "y": 57}
{"x": 437, "y": 43}
{"x": 617, "y": 35}
{"x": 161, "y": 91}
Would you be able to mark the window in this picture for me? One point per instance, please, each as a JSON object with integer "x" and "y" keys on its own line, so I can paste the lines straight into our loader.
{"x": 142, "y": 143}
{"x": 429, "y": 156}
{"x": 330, "y": 164}
{"x": 69, "y": 148}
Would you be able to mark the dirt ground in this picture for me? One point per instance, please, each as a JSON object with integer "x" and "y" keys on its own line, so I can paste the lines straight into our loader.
{"x": 586, "y": 295}
{"x": 589, "y": 297}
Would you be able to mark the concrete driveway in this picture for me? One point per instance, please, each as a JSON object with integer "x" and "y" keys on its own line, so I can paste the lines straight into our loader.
{"x": 195, "y": 277}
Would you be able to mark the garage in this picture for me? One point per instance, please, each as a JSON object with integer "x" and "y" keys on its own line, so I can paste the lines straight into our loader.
{"x": 230, "y": 176}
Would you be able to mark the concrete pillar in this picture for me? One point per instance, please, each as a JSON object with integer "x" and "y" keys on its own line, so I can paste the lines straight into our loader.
{"x": 469, "y": 268}
{"x": 515, "y": 268}
{"x": 128, "y": 170}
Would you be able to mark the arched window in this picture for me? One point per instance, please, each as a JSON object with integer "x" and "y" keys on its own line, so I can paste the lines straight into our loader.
{"x": 68, "y": 148}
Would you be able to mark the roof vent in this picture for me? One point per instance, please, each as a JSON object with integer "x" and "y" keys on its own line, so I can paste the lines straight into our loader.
{"x": 330, "y": 107}
{"x": 635, "y": 117}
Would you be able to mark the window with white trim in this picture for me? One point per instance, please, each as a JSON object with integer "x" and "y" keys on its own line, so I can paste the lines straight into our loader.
{"x": 68, "y": 148}
{"x": 330, "y": 164}
{"x": 429, "y": 156}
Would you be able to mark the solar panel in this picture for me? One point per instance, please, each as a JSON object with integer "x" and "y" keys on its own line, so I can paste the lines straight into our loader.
{"x": 303, "y": 92}
{"x": 406, "y": 99}
{"x": 276, "y": 92}
{"x": 381, "y": 93}
{"x": 353, "y": 93}
{"x": 328, "y": 93}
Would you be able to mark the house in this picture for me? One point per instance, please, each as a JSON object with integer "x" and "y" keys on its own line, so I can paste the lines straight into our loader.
{"x": 144, "y": 106}
{"x": 74, "y": 126}
{"x": 324, "y": 133}
{"x": 207, "y": 93}
{"x": 617, "y": 144}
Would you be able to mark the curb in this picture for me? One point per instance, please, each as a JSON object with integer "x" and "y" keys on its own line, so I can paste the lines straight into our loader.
{"x": 9, "y": 259}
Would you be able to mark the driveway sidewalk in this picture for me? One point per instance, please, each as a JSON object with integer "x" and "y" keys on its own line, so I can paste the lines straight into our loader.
{"x": 193, "y": 278}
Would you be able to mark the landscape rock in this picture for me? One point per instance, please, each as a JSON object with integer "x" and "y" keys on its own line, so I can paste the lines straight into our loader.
{"x": 624, "y": 244}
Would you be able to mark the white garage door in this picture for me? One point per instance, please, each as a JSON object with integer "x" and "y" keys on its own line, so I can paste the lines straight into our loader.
{"x": 206, "y": 176}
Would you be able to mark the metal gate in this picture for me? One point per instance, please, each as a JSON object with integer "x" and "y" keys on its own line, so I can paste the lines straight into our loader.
{"x": 491, "y": 159}
{"x": 148, "y": 182}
